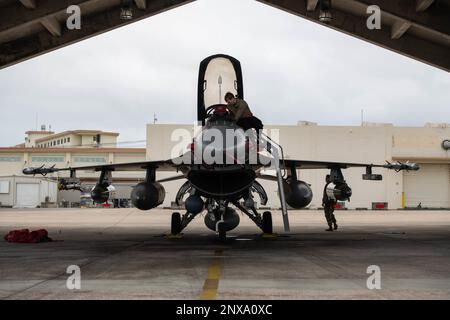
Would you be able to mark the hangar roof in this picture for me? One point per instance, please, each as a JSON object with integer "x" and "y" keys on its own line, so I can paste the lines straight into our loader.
{"x": 419, "y": 29}
{"x": 29, "y": 28}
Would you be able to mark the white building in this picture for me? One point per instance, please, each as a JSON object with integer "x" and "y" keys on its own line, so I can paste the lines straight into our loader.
{"x": 69, "y": 149}
{"x": 27, "y": 192}
{"x": 371, "y": 143}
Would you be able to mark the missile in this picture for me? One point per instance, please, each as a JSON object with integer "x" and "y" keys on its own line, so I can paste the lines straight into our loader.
{"x": 399, "y": 166}
{"x": 40, "y": 170}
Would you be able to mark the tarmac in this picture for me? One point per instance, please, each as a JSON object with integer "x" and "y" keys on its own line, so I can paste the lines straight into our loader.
{"x": 125, "y": 254}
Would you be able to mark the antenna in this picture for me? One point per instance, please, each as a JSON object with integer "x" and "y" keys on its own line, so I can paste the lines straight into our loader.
{"x": 154, "y": 118}
{"x": 362, "y": 117}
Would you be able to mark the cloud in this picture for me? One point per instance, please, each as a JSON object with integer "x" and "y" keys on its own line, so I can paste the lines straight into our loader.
{"x": 293, "y": 70}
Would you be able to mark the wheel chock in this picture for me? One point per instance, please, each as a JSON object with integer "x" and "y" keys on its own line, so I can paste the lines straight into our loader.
{"x": 269, "y": 235}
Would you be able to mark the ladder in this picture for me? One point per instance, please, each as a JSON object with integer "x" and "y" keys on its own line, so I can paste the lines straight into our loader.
{"x": 276, "y": 150}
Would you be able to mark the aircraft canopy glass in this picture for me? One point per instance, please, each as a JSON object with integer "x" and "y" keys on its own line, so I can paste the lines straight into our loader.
{"x": 220, "y": 78}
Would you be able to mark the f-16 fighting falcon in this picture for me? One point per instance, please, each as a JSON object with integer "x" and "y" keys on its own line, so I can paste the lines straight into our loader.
{"x": 213, "y": 184}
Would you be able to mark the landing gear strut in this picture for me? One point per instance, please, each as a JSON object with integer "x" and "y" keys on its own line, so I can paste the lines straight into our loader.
{"x": 179, "y": 222}
{"x": 220, "y": 225}
{"x": 222, "y": 231}
{"x": 193, "y": 204}
{"x": 264, "y": 222}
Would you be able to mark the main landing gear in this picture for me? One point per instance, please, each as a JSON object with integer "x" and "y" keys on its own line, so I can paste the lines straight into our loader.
{"x": 264, "y": 221}
{"x": 194, "y": 205}
{"x": 179, "y": 222}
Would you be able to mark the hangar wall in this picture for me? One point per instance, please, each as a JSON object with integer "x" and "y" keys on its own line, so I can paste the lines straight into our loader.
{"x": 26, "y": 192}
{"x": 369, "y": 143}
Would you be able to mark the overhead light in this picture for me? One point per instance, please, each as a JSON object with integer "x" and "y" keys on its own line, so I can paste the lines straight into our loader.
{"x": 325, "y": 13}
{"x": 446, "y": 144}
{"x": 126, "y": 12}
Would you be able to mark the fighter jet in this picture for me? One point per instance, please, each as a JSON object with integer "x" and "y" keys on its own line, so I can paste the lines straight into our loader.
{"x": 220, "y": 178}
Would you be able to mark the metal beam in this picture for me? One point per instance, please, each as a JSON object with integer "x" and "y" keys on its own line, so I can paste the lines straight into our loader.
{"x": 311, "y": 5}
{"x": 16, "y": 15}
{"x": 29, "y": 4}
{"x": 24, "y": 48}
{"x": 429, "y": 52}
{"x": 435, "y": 18}
{"x": 422, "y": 5}
{"x": 141, "y": 4}
{"x": 52, "y": 25}
{"x": 399, "y": 28}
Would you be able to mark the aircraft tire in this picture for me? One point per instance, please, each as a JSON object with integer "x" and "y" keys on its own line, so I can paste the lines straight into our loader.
{"x": 267, "y": 226}
{"x": 175, "y": 226}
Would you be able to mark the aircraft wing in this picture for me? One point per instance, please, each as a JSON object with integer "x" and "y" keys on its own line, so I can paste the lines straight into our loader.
{"x": 161, "y": 165}
{"x": 291, "y": 164}
{"x": 309, "y": 164}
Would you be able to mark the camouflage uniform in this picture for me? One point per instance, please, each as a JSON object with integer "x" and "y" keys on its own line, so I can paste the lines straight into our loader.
{"x": 240, "y": 109}
{"x": 244, "y": 117}
{"x": 328, "y": 207}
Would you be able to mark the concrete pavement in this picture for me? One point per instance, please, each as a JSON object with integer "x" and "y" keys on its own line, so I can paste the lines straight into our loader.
{"x": 123, "y": 253}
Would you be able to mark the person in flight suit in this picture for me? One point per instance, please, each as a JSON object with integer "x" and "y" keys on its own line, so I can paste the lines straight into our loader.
{"x": 328, "y": 207}
{"x": 242, "y": 114}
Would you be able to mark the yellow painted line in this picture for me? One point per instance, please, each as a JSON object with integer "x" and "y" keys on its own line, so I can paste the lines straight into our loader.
{"x": 403, "y": 200}
{"x": 211, "y": 283}
{"x": 214, "y": 271}
{"x": 269, "y": 235}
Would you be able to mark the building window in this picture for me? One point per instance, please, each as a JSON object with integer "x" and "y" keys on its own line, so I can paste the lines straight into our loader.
{"x": 10, "y": 158}
{"x": 52, "y": 159}
{"x": 85, "y": 159}
{"x": 68, "y": 139}
{"x": 4, "y": 187}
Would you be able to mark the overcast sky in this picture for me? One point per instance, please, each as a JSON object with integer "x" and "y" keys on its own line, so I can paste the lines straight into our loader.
{"x": 293, "y": 70}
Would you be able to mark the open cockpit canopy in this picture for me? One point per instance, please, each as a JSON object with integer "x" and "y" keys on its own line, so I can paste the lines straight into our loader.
{"x": 218, "y": 75}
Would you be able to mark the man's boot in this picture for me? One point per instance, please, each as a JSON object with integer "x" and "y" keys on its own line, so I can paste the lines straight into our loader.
{"x": 330, "y": 228}
{"x": 335, "y": 226}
